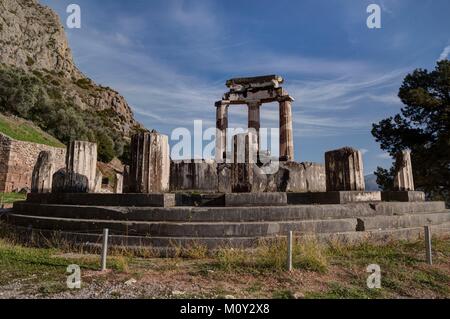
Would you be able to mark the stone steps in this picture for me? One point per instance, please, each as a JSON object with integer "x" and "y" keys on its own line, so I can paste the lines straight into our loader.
{"x": 166, "y": 228}
{"x": 229, "y": 229}
{"x": 226, "y": 214}
{"x": 188, "y": 229}
{"x": 404, "y": 221}
{"x": 165, "y": 246}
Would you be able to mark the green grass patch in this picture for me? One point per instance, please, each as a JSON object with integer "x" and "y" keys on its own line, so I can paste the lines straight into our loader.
{"x": 308, "y": 254}
{"x": 22, "y": 130}
{"x": 46, "y": 269}
{"x": 10, "y": 198}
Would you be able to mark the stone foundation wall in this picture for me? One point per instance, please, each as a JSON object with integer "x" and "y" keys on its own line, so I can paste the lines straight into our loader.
{"x": 210, "y": 177}
{"x": 17, "y": 161}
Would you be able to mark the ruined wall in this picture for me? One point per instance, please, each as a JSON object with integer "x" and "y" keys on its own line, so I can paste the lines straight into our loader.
{"x": 193, "y": 175}
{"x": 208, "y": 176}
{"x": 17, "y": 161}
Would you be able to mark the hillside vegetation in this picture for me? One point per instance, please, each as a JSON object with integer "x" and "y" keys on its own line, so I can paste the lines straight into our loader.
{"x": 40, "y": 82}
{"x": 26, "y": 131}
{"x": 41, "y": 98}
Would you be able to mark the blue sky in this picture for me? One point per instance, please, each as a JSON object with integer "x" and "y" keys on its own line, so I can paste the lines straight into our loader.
{"x": 171, "y": 58}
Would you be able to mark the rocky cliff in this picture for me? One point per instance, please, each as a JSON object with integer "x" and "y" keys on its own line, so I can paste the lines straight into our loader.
{"x": 32, "y": 38}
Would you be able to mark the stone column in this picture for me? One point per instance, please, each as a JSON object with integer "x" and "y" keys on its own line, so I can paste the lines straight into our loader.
{"x": 245, "y": 150}
{"x": 118, "y": 184}
{"x": 43, "y": 173}
{"x": 98, "y": 182}
{"x": 403, "y": 180}
{"x": 126, "y": 179}
{"x": 286, "y": 131}
{"x": 344, "y": 170}
{"x": 254, "y": 117}
{"x": 150, "y": 163}
{"x": 221, "y": 131}
{"x": 81, "y": 160}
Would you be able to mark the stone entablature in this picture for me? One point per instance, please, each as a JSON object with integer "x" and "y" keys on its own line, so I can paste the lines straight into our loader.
{"x": 18, "y": 159}
{"x": 254, "y": 92}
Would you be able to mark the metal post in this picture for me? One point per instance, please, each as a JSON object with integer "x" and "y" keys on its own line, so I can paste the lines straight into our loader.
{"x": 104, "y": 248}
{"x": 290, "y": 243}
{"x": 428, "y": 245}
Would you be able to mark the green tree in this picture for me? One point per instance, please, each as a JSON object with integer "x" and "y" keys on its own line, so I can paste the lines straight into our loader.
{"x": 105, "y": 147}
{"x": 423, "y": 127}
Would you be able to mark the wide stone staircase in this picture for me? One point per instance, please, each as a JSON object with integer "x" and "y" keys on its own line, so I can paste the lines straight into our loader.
{"x": 164, "y": 221}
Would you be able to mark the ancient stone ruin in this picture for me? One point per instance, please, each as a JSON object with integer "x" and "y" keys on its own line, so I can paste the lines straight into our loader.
{"x": 254, "y": 92}
{"x": 150, "y": 163}
{"x": 345, "y": 170}
{"x": 44, "y": 169}
{"x": 403, "y": 180}
{"x": 232, "y": 201}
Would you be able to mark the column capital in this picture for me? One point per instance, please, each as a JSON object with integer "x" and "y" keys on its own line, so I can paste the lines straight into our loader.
{"x": 254, "y": 103}
{"x": 222, "y": 103}
{"x": 286, "y": 98}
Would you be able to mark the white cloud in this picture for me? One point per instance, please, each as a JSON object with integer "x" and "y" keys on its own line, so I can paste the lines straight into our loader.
{"x": 364, "y": 151}
{"x": 384, "y": 156}
{"x": 445, "y": 53}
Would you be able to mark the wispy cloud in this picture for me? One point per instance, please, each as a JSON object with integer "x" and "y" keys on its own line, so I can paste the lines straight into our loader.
{"x": 445, "y": 53}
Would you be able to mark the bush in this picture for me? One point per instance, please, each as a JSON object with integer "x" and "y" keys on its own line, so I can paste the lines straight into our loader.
{"x": 105, "y": 147}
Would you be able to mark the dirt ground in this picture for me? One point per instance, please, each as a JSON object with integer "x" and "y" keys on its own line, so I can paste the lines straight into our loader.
{"x": 337, "y": 272}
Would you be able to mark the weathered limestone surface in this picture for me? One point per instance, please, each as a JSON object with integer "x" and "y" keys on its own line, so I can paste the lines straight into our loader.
{"x": 403, "y": 196}
{"x": 193, "y": 175}
{"x": 298, "y": 178}
{"x": 341, "y": 197}
{"x": 255, "y": 199}
{"x": 82, "y": 161}
{"x": 344, "y": 170}
{"x": 43, "y": 173}
{"x": 98, "y": 182}
{"x": 403, "y": 180}
{"x": 150, "y": 163}
{"x": 69, "y": 182}
{"x": 224, "y": 178}
{"x": 245, "y": 149}
{"x": 286, "y": 131}
{"x": 126, "y": 179}
{"x": 118, "y": 184}
{"x": 221, "y": 130}
{"x": 209, "y": 177}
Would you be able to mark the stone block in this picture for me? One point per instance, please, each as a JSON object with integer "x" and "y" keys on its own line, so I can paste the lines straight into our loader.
{"x": 224, "y": 178}
{"x": 403, "y": 196}
{"x": 245, "y": 149}
{"x": 403, "y": 179}
{"x": 42, "y": 177}
{"x": 98, "y": 182}
{"x": 255, "y": 199}
{"x": 81, "y": 160}
{"x": 150, "y": 163}
{"x": 344, "y": 170}
{"x": 194, "y": 175}
{"x": 69, "y": 182}
{"x": 343, "y": 197}
{"x": 118, "y": 185}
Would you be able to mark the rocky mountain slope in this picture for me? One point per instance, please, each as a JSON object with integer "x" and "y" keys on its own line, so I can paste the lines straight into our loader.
{"x": 33, "y": 40}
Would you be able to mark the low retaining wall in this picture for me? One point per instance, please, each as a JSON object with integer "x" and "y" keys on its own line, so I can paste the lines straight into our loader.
{"x": 17, "y": 161}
